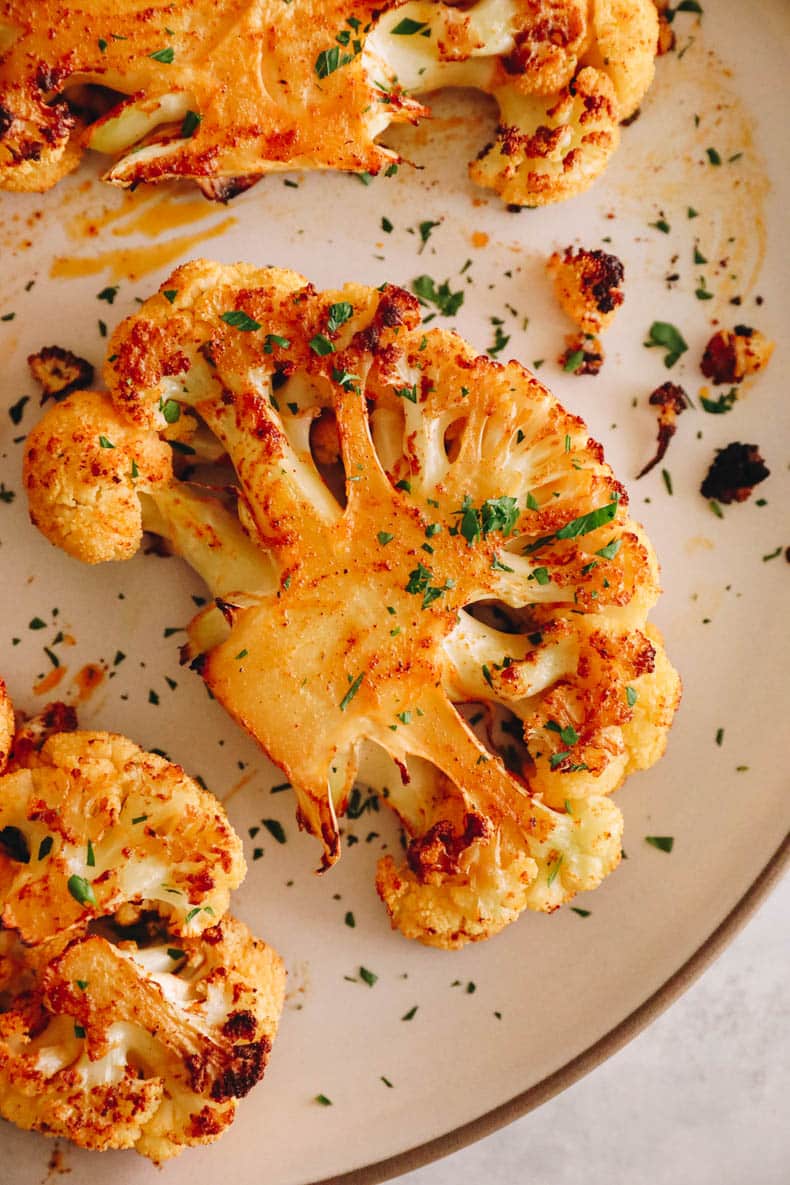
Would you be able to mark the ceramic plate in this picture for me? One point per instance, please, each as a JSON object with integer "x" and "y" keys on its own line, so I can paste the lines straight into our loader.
{"x": 495, "y": 1020}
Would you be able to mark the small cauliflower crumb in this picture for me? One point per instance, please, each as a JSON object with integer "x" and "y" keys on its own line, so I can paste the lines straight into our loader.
{"x": 671, "y": 400}
{"x": 588, "y": 286}
{"x": 583, "y": 354}
{"x": 59, "y": 372}
{"x": 732, "y": 354}
{"x": 734, "y": 472}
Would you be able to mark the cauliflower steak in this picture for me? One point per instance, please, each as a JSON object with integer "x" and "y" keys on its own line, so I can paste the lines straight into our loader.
{"x": 424, "y": 576}
{"x": 224, "y": 94}
{"x": 133, "y": 1014}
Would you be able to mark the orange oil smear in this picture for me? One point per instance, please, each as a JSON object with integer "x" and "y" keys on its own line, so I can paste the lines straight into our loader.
{"x": 49, "y": 681}
{"x": 730, "y": 200}
{"x": 129, "y": 263}
{"x": 87, "y": 679}
{"x": 243, "y": 781}
{"x": 90, "y": 226}
{"x": 479, "y": 238}
{"x": 166, "y": 214}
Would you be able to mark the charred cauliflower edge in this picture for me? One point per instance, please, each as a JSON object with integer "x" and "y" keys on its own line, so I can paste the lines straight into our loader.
{"x": 134, "y": 1011}
{"x": 455, "y": 579}
{"x": 229, "y": 93}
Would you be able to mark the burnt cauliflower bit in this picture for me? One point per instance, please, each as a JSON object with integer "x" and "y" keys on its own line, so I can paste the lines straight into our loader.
{"x": 390, "y": 484}
{"x": 588, "y": 286}
{"x": 671, "y": 400}
{"x": 734, "y": 472}
{"x": 732, "y": 354}
{"x": 582, "y": 354}
{"x": 58, "y": 372}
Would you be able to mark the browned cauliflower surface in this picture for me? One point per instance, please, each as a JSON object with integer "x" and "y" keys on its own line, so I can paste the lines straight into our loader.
{"x": 102, "y": 823}
{"x": 588, "y": 285}
{"x": 732, "y": 354}
{"x": 454, "y": 610}
{"x": 224, "y": 94}
{"x": 133, "y": 1014}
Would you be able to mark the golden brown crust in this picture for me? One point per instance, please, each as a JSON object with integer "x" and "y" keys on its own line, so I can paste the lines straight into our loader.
{"x": 359, "y": 630}
{"x": 231, "y": 93}
{"x": 132, "y": 1012}
{"x": 84, "y": 469}
{"x": 732, "y": 354}
{"x": 588, "y": 285}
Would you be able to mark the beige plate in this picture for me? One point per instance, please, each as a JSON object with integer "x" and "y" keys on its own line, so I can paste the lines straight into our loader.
{"x": 552, "y": 995}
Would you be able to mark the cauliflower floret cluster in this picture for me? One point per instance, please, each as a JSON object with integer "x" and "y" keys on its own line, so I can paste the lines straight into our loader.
{"x": 225, "y": 94}
{"x": 417, "y": 553}
{"x": 588, "y": 285}
{"x": 134, "y": 1012}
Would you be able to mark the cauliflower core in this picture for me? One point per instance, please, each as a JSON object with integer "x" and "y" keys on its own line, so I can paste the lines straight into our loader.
{"x": 451, "y": 593}
{"x": 132, "y": 1013}
{"x": 228, "y": 93}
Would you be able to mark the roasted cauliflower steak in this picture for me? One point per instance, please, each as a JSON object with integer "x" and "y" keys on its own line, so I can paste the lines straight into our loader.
{"x": 133, "y": 1014}
{"x": 424, "y": 577}
{"x": 224, "y": 94}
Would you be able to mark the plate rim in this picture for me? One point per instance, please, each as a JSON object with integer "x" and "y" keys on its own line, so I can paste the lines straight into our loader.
{"x": 589, "y": 1059}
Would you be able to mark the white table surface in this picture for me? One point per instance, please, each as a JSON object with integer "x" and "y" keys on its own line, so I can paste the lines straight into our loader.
{"x": 701, "y": 1097}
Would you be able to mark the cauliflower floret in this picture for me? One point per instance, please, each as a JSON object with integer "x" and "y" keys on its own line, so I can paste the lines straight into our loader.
{"x": 132, "y": 1014}
{"x": 588, "y": 286}
{"x": 137, "y": 1039}
{"x": 84, "y": 468}
{"x": 225, "y": 96}
{"x": 363, "y": 623}
{"x": 92, "y": 822}
{"x": 732, "y": 354}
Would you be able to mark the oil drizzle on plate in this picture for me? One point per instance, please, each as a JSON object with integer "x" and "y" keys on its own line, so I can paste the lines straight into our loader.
{"x": 129, "y": 263}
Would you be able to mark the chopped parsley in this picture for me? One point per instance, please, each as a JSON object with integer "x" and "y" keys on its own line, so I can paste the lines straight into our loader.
{"x": 446, "y": 301}
{"x": 352, "y": 691}
{"x": 420, "y": 582}
{"x": 275, "y": 829}
{"x": 573, "y": 361}
{"x": 368, "y": 976}
{"x": 275, "y": 339}
{"x": 667, "y": 337}
{"x": 17, "y": 409}
{"x": 722, "y": 405}
{"x": 321, "y": 345}
{"x": 552, "y": 875}
{"x": 664, "y": 843}
{"x": 190, "y": 124}
{"x": 495, "y": 514}
{"x": 330, "y": 60}
{"x": 165, "y": 55}
{"x": 81, "y": 890}
{"x": 238, "y": 319}
{"x": 408, "y": 27}
{"x": 338, "y": 315}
